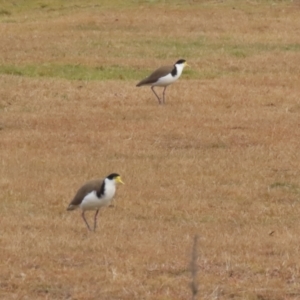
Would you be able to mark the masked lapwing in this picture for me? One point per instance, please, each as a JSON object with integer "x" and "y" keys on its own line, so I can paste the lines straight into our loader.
{"x": 163, "y": 77}
{"x": 95, "y": 194}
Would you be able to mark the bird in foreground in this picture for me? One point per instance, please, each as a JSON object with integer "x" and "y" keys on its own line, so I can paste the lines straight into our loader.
{"x": 163, "y": 77}
{"x": 95, "y": 194}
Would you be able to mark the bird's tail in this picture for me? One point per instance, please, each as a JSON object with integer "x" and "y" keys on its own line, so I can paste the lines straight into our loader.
{"x": 142, "y": 82}
{"x": 72, "y": 207}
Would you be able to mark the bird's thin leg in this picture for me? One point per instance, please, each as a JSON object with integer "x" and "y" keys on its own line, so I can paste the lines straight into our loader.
{"x": 84, "y": 219}
{"x": 152, "y": 88}
{"x": 164, "y": 95}
{"x": 95, "y": 219}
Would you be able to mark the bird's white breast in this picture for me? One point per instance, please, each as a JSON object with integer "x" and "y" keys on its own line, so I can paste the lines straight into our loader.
{"x": 92, "y": 202}
{"x": 168, "y": 79}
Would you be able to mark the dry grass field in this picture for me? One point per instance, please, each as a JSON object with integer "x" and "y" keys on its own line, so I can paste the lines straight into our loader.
{"x": 220, "y": 160}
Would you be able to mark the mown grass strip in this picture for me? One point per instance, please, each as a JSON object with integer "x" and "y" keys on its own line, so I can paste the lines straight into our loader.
{"x": 81, "y": 72}
{"x": 71, "y": 72}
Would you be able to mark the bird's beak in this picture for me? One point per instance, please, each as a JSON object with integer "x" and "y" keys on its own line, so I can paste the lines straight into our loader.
{"x": 186, "y": 65}
{"x": 118, "y": 179}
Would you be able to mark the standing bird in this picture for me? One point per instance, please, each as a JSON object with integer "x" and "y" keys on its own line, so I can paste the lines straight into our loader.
{"x": 95, "y": 194}
{"x": 163, "y": 77}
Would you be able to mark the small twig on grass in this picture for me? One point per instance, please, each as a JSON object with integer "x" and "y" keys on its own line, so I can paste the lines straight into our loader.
{"x": 193, "y": 266}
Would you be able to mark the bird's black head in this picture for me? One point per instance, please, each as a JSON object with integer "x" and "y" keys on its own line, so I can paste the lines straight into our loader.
{"x": 113, "y": 176}
{"x": 180, "y": 61}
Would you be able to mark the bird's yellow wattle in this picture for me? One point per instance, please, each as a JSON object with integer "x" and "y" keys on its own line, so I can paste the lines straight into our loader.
{"x": 118, "y": 179}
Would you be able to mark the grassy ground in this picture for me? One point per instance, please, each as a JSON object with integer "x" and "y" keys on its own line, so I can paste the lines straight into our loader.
{"x": 220, "y": 160}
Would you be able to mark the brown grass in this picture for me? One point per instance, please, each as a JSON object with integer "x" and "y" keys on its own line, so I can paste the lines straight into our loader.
{"x": 221, "y": 160}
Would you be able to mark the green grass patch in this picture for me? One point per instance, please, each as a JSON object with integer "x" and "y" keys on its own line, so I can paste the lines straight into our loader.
{"x": 80, "y": 72}
{"x": 34, "y": 5}
{"x": 44, "y": 7}
{"x": 285, "y": 185}
{"x": 115, "y": 72}
{"x": 4, "y": 12}
{"x": 28, "y": 6}
{"x": 72, "y": 72}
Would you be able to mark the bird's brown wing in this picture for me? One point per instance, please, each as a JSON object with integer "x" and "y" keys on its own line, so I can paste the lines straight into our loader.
{"x": 88, "y": 187}
{"x": 160, "y": 72}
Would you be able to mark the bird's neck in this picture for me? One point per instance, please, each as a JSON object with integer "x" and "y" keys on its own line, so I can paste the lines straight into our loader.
{"x": 108, "y": 186}
{"x": 102, "y": 190}
{"x": 176, "y": 72}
